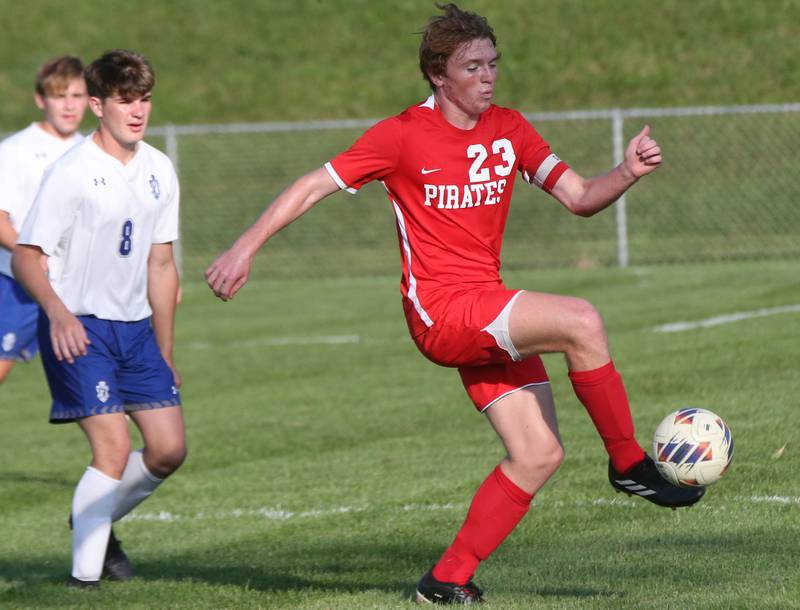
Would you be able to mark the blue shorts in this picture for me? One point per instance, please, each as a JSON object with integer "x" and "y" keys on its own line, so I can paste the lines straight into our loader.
{"x": 123, "y": 371}
{"x": 18, "y": 314}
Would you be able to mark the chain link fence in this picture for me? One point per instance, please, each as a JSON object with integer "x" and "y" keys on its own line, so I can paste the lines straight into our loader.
{"x": 729, "y": 189}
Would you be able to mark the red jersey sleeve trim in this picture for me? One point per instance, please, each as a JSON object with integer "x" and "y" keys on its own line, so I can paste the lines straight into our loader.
{"x": 337, "y": 179}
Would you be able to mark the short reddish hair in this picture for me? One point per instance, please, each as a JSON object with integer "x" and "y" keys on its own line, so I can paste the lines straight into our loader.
{"x": 445, "y": 33}
{"x": 55, "y": 75}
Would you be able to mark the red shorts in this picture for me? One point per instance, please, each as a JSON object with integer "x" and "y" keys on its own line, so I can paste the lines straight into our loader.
{"x": 470, "y": 332}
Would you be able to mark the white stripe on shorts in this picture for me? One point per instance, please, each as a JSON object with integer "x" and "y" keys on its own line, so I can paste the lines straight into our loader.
{"x": 498, "y": 328}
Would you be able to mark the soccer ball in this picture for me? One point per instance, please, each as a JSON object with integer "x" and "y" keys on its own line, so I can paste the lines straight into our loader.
{"x": 692, "y": 447}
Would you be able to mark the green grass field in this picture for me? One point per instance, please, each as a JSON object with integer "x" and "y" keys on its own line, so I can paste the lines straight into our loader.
{"x": 330, "y": 464}
{"x": 271, "y": 60}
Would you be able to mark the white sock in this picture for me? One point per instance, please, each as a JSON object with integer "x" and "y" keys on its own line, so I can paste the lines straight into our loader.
{"x": 136, "y": 485}
{"x": 92, "y": 505}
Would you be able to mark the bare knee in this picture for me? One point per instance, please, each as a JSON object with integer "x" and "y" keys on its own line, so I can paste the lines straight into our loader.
{"x": 163, "y": 460}
{"x": 550, "y": 459}
{"x": 587, "y": 343}
{"x": 586, "y": 324}
{"x": 541, "y": 461}
{"x": 111, "y": 459}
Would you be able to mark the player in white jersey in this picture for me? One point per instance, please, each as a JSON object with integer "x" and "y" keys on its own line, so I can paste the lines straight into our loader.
{"x": 61, "y": 96}
{"x": 107, "y": 213}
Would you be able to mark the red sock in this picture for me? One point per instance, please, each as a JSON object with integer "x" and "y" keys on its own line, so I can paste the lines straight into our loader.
{"x": 496, "y": 509}
{"x": 602, "y": 393}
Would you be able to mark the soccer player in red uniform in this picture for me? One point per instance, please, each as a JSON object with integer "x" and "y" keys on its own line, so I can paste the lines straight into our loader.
{"x": 449, "y": 165}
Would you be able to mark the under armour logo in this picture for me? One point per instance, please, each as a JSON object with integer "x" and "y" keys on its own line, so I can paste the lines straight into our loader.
{"x": 99, "y": 181}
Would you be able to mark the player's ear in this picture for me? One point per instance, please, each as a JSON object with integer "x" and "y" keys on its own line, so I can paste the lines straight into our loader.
{"x": 96, "y": 106}
{"x": 436, "y": 79}
{"x": 39, "y": 101}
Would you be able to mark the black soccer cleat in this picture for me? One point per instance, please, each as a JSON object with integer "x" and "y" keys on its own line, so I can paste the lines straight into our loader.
{"x": 76, "y": 583}
{"x": 644, "y": 480}
{"x": 431, "y": 591}
{"x": 116, "y": 565}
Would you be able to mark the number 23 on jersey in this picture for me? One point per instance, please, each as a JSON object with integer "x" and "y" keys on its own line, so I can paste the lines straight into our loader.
{"x": 481, "y": 190}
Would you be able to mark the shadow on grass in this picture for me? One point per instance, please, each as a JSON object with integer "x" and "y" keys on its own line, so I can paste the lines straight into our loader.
{"x": 317, "y": 567}
{"x": 289, "y": 569}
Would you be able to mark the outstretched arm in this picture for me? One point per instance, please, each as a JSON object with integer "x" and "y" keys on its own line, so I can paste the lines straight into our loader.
{"x": 586, "y": 197}
{"x": 230, "y": 271}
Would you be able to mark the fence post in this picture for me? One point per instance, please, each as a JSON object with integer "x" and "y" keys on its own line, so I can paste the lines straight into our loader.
{"x": 171, "y": 144}
{"x": 622, "y": 219}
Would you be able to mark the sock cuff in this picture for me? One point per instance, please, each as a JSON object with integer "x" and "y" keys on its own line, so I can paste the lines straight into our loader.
{"x": 138, "y": 455}
{"x": 102, "y": 475}
{"x": 513, "y": 491}
{"x": 593, "y": 376}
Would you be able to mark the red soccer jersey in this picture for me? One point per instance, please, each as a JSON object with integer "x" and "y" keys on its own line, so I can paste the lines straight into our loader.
{"x": 450, "y": 189}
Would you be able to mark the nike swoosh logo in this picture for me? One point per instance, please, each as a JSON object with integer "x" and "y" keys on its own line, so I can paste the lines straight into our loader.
{"x": 429, "y": 171}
